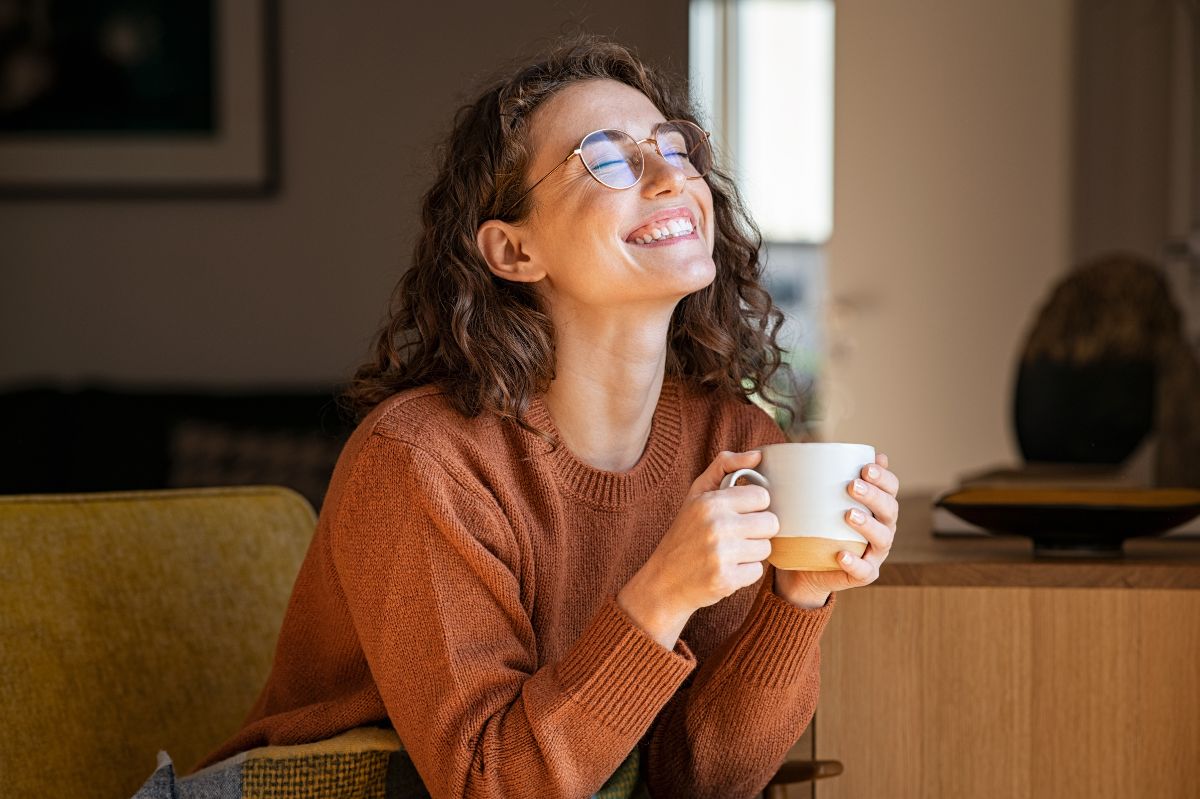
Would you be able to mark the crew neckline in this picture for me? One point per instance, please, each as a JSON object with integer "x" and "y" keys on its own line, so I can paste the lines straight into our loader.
{"x": 613, "y": 489}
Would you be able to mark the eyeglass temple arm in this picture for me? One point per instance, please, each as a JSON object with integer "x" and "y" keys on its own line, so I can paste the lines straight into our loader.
{"x": 577, "y": 151}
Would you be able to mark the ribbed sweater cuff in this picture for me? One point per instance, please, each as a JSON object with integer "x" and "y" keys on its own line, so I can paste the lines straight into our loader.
{"x": 620, "y": 674}
{"x": 776, "y": 640}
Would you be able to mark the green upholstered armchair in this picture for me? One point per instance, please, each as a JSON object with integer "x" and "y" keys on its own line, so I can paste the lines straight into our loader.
{"x": 136, "y": 621}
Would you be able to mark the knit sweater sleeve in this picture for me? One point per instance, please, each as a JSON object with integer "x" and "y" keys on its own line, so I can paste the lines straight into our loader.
{"x": 428, "y": 565}
{"x": 759, "y": 688}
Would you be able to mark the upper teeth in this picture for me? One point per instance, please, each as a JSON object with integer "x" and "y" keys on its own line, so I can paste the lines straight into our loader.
{"x": 666, "y": 229}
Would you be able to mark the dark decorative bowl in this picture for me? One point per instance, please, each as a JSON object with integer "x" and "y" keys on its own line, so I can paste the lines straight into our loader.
{"x": 1089, "y": 523}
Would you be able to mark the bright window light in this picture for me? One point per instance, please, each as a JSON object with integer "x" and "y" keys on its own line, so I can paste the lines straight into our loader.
{"x": 763, "y": 72}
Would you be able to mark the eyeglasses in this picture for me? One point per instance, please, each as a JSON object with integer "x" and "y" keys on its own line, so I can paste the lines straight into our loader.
{"x": 616, "y": 160}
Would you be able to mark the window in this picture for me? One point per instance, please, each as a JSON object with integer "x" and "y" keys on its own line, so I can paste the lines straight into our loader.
{"x": 762, "y": 73}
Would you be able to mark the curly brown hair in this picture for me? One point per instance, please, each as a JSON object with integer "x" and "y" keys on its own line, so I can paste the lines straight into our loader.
{"x": 488, "y": 342}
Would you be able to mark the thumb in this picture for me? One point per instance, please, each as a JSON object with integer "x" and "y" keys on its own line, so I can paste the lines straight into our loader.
{"x": 725, "y": 463}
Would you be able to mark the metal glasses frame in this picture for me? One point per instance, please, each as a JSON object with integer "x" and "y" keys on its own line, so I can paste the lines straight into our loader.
{"x": 653, "y": 137}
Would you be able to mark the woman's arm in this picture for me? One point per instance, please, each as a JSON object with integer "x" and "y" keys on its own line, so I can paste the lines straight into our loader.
{"x": 428, "y": 566}
{"x": 726, "y": 734}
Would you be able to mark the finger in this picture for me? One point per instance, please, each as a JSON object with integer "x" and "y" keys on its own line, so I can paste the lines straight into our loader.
{"x": 878, "y": 535}
{"x": 857, "y": 569}
{"x": 748, "y": 573}
{"x": 745, "y": 499}
{"x": 882, "y": 505}
{"x": 754, "y": 550}
{"x": 761, "y": 525}
{"x": 882, "y": 478}
{"x": 723, "y": 464}
{"x": 882, "y": 460}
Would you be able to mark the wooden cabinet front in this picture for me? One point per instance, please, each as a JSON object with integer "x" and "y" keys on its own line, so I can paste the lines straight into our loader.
{"x": 972, "y": 669}
{"x": 995, "y": 692}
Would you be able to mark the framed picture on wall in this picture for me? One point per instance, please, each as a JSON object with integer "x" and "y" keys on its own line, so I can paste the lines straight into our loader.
{"x": 138, "y": 98}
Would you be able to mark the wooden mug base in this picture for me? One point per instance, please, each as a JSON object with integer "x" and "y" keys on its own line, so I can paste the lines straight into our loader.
{"x": 811, "y": 554}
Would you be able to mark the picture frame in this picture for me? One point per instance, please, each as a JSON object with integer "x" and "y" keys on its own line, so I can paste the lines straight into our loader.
{"x": 220, "y": 140}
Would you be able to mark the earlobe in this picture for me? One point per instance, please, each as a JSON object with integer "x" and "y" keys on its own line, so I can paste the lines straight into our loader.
{"x": 503, "y": 249}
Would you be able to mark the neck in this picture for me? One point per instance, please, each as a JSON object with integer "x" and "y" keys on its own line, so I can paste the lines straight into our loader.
{"x": 609, "y": 375}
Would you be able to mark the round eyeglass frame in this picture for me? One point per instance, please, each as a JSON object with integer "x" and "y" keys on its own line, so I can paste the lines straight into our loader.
{"x": 653, "y": 137}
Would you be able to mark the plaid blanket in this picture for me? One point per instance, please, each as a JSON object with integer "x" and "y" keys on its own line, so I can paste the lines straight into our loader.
{"x": 363, "y": 763}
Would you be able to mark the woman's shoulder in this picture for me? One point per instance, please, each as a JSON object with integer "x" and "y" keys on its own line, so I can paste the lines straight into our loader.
{"x": 420, "y": 428}
{"x": 423, "y": 416}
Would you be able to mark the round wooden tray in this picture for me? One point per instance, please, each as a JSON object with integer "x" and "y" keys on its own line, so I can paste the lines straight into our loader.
{"x": 1074, "y": 522}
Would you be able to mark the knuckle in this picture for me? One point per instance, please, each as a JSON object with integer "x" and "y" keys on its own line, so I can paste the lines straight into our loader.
{"x": 719, "y": 584}
{"x": 756, "y": 571}
{"x": 712, "y": 540}
{"x": 708, "y": 507}
{"x": 711, "y": 577}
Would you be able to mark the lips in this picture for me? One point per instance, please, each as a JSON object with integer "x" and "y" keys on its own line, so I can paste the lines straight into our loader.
{"x": 666, "y": 224}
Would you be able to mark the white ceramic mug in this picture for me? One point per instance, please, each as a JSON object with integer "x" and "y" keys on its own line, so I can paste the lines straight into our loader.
{"x": 807, "y": 484}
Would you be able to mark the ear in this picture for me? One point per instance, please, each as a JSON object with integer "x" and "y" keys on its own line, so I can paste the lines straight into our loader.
{"x": 504, "y": 248}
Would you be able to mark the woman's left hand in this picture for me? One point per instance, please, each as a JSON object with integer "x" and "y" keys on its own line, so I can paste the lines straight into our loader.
{"x": 812, "y": 589}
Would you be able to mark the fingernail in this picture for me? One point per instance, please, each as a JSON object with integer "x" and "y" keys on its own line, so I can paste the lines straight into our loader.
{"x": 846, "y": 558}
{"x": 872, "y": 472}
{"x": 857, "y": 516}
{"x": 860, "y": 488}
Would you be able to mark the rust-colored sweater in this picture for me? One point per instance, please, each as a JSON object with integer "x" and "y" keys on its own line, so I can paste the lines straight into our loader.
{"x": 461, "y": 586}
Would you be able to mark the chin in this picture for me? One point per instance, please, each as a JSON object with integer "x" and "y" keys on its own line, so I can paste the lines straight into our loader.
{"x": 697, "y": 274}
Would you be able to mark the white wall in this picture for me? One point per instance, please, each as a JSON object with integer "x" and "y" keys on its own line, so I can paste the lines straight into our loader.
{"x": 286, "y": 290}
{"x": 951, "y": 220}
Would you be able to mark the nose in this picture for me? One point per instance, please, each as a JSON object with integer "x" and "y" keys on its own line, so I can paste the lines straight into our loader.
{"x": 658, "y": 176}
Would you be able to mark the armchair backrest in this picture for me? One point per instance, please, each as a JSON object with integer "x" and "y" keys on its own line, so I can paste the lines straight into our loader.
{"x": 136, "y": 621}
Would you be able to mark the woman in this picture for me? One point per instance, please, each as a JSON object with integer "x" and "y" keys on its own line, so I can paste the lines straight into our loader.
{"x": 522, "y": 562}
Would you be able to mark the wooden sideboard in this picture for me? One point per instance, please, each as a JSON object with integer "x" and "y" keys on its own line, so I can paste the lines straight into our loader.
{"x": 969, "y": 669}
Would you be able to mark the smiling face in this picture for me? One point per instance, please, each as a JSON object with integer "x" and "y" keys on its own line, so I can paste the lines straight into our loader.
{"x": 589, "y": 246}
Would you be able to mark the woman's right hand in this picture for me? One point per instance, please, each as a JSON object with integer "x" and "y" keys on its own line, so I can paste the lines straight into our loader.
{"x": 715, "y": 546}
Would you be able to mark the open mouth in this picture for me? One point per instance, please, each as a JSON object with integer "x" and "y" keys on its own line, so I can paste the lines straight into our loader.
{"x": 673, "y": 225}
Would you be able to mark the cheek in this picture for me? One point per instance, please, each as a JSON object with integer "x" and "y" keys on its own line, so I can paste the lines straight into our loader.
{"x": 585, "y": 251}
{"x": 710, "y": 219}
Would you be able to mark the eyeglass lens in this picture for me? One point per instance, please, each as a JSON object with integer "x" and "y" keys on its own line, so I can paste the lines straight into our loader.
{"x": 616, "y": 159}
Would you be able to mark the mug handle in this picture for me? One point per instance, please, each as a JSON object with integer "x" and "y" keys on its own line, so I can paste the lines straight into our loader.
{"x": 752, "y": 476}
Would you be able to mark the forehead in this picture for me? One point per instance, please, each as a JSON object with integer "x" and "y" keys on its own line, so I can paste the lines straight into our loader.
{"x": 558, "y": 125}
